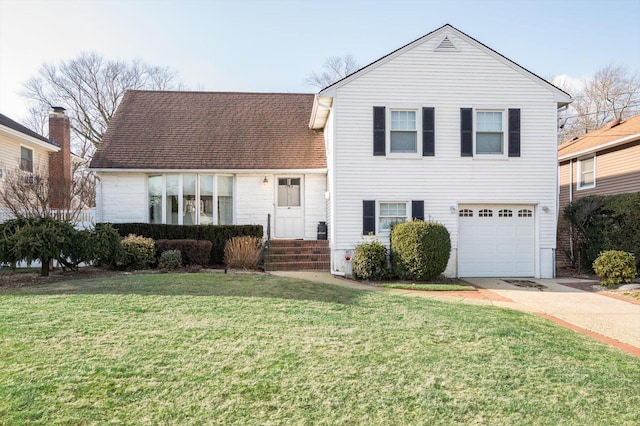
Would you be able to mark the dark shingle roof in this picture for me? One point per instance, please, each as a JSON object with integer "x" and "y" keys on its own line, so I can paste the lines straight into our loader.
{"x": 211, "y": 130}
{"x": 7, "y": 122}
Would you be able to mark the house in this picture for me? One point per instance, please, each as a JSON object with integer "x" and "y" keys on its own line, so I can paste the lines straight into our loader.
{"x": 25, "y": 151}
{"x": 442, "y": 129}
{"x": 603, "y": 162}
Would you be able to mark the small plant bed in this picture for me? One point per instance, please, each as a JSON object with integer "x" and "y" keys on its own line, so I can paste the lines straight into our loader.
{"x": 429, "y": 287}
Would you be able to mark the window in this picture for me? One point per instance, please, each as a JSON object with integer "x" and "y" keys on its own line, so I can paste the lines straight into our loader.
{"x": 26, "y": 159}
{"x": 288, "y": 192}
{"x": 225, "y": 200}
{"x": 466, "y": 213}
{"x": 525, "y": 213}
{"x": 505, "y": 213}
{"x": 188, "y": 199}
{"x": 391, "y": 214}
{"x": 403, "y": 132}
{"x": 485, "y": 213}
{"x": 489, "y": 133}
{"x": 587, "y": 173}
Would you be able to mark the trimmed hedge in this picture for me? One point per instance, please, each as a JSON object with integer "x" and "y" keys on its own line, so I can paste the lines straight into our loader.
{"x": 194, "y": 252}
{"x": 605, "y": 223}
{"x": 615, "y": 267}
{"x": 370, "y": 261}
{"x": 419, "y": 250}
{"x": 217, "y": 234}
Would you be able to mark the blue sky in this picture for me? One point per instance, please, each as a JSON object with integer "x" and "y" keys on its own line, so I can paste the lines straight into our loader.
{"x": 272, "y": 45}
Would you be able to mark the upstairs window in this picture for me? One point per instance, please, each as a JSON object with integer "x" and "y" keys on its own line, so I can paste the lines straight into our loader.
{"x": 404, "y": 132}
{"x": 587, "y": 173}
{"x": 489, "y": 133}
{"x": 26, "y": 159}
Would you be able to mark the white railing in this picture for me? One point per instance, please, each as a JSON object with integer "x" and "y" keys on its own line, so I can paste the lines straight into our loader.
{"x": 85, "y": 219}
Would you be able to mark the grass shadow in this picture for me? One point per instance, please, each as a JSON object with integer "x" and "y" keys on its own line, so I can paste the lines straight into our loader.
{"x": 201, "y": 284}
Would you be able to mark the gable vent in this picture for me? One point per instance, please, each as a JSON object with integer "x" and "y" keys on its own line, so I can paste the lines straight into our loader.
{"x": 446, "y": 45}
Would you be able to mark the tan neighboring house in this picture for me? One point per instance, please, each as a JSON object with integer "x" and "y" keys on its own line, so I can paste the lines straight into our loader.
{"x": 604, "y": 162}
{"x": 24, "y": 150}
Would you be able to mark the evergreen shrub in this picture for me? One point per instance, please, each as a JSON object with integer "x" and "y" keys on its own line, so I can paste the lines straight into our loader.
{"x": 170, "y": 260}
{"x": 139, "y": 252}
{"x": 194, "y": 252}
{"x": 615, "y": 267}
{"x": 370, "y": 261}
{"x": 419, "y": 250}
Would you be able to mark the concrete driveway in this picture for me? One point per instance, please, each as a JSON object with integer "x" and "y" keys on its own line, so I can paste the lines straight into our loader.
{"x": 597, "y": 313}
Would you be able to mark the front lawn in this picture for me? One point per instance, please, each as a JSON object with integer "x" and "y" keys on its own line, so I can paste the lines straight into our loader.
{"x": 254, "y": 349}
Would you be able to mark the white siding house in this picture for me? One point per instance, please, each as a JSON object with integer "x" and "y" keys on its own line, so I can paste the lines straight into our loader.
{"x": 463, "y": 136}
{"x": 442, "y": 129}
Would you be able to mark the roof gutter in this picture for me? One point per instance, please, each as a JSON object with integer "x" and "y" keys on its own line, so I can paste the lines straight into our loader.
{"x": 211, "y": 171}
{"x": 611, "y": 144}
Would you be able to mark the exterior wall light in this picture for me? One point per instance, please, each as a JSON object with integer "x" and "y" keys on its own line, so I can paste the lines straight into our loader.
{"x": 265, "y": 181}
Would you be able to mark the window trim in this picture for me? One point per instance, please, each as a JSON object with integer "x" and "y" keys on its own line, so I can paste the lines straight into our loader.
{"x": 379, "y": 230}
{"x": 579, "y": 183}
{"x": 32, "y": 159}
{"x": 505, "y": 129}
{"x": 417, "y": 110}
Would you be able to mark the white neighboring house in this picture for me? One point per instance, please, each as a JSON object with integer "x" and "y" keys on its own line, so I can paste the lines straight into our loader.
{"x": 442, "y": 129}
{"x": 21, "y": 149}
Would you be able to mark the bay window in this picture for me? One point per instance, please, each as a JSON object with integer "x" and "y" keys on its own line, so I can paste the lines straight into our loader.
{"x": 190, "y": 199}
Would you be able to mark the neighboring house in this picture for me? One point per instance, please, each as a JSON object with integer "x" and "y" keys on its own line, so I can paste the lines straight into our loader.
{"x": 25, "y": 151}
{"x": 442, "y": 129}
{"x": 604, "y": 162}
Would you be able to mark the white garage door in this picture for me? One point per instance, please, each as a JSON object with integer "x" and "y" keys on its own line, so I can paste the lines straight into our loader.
{"x": 496, "y": 241}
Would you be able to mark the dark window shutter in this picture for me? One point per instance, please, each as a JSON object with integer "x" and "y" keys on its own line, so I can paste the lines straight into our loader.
{"x": 428, "y": 132}
{"x": 514, "y": 133}
{"x": 466, "y": 132}
{"x": 417, "y": 209}
{"x": 368, "y": 217}
{"x": 379, "y": 131}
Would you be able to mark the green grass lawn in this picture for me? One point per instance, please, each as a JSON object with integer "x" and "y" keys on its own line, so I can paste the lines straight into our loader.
{"x": 193, "y": 349}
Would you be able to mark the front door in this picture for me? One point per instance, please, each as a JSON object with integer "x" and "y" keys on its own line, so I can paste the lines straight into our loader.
{"x": 289, "y": 213}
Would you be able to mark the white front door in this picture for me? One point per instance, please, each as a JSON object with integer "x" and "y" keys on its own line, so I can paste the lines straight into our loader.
{"x": 289, "y": 212}
{"x": 496, "y": 241}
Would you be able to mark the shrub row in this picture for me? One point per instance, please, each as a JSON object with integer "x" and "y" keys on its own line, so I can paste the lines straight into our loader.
{"x": 217, "y": 234}
{"x": 605, "y": 223}
{"x": 192, "y": 252}
{"x": 419, "y": 251}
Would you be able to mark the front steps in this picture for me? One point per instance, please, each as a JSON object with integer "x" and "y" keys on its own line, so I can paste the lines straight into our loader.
{"x": 297, "y": 255}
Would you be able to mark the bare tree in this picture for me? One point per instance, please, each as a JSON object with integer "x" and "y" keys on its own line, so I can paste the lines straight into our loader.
{"x": 335, "y": 68}
{"x": 90, "y": 87}
{"x": 26, "y": 194}
{"x": 612, "y": 93}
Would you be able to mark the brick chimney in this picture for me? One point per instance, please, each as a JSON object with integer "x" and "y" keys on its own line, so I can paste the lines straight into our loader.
{"x": 60, "y": 162}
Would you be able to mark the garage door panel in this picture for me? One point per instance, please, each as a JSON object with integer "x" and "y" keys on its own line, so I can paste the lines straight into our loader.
{"x": 496, "y": 240}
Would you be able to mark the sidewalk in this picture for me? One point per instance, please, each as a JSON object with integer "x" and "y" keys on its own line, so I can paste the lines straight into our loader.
{"x": 609, "y": 320}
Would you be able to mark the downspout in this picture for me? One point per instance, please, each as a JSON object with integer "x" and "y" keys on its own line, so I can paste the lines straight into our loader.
{"x": 570, "y": 201}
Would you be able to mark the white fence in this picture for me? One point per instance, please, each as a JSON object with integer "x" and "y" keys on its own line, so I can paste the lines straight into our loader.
{"x": 85, "y": 219}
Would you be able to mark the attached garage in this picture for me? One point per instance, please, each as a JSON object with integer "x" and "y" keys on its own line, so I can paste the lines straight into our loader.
{"x": 496, "y": 241}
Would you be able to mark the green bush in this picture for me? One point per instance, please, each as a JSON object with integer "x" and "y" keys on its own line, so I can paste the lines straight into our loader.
{"x": 615, "y": 267}
{"x": 243, "y": 252}
{"x": 194, "y": 252}
{"x": 217, "y": 234}
{"x": 605, "y": 223}
{"x": 107, "y": 246}
{"x": 370, "y": 261}
{"x": 419, "y": 250}
{"x": 139, "y": 252}
{"x": 170, "y": 260}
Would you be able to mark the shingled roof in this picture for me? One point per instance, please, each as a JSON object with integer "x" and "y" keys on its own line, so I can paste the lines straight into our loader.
{"x": 7, "y": 122}
{"x": 614, "y": 133}
{"x": 211, "y": 130}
